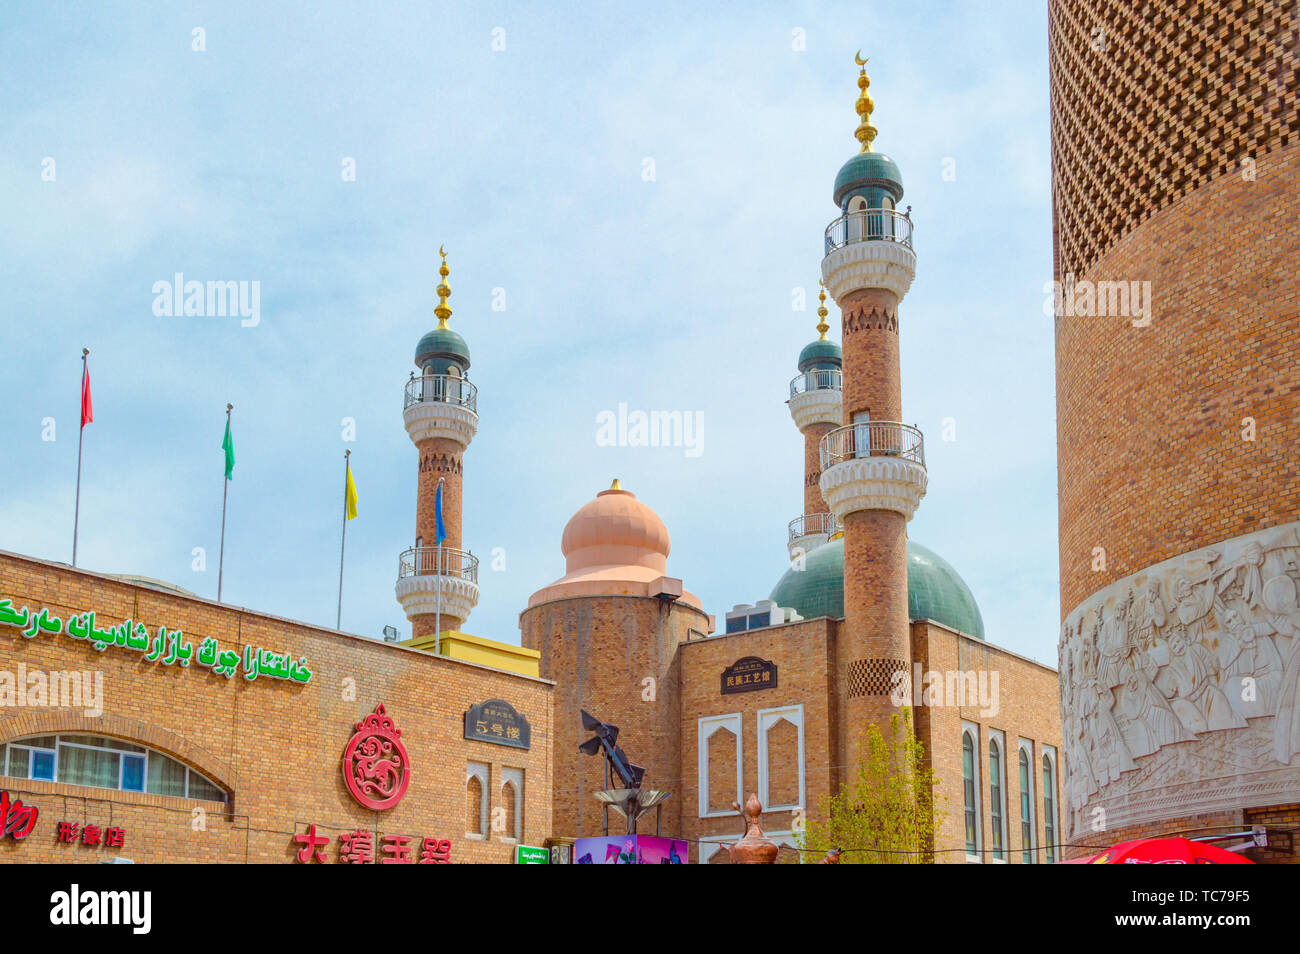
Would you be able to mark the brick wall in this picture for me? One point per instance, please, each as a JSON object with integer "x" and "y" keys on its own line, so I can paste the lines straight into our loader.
{"x": 276, "y": 746}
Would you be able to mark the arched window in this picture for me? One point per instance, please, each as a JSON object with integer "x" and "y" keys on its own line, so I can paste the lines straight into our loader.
{"x": 857, "y": 218}
{"x": 1026, "y": 806}
{"x": 970, "y": 792}
{"x": 97, "y": 761}
{"x": 476, "y": 800}
{"x": 997, "y": 807}
{"x": 1049, "y": 806}
{"x": 512, "y": 799}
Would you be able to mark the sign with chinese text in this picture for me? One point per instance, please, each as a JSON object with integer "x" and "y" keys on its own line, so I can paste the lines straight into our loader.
{"x": 497, "y": 722}
{"x": 747, "y": 674}
{"x": 358, "y": 848}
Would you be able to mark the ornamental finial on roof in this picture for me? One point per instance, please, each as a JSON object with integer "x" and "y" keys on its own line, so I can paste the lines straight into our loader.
{"x": 443, "y": 311}
{"x": 866, "y": 132}
{"x": 822, "y": 327}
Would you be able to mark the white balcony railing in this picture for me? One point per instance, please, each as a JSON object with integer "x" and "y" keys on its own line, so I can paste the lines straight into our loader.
{"x": 869, "y": 225}
{"x": 424, "y": 561}
{"x": 811, "y": 523}
{"x": 816, "y": 380}
{"x": 445, "y": 388}
{"x": 872, "y": 439}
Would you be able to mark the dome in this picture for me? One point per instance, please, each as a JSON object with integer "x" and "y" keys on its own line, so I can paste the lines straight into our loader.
{"x": 442, "y": 346}
{"x": 868, "y": 169}
{"x": 614, "y": 545}
{"x": 821, "y": 355}
{"x": 934, "y": 589}
{"x": 615, "y": 529}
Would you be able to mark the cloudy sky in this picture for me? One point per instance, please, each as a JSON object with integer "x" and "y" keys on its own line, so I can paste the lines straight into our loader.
{"x": 519, "y": 136}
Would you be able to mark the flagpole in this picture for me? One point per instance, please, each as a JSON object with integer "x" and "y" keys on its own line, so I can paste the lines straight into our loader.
{"x": 81, "y": 436}
{"x": 225, "y": 487}
{"x": 437, "y": 617}
{"x": 338, "y": 623}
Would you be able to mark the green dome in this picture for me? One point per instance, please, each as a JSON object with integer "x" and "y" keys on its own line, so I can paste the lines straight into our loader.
{"x": 442, "y": 346}
{"x": 868, "y": 169}
{"x": 934, "y": 590}
{"x": 822, "y": 355}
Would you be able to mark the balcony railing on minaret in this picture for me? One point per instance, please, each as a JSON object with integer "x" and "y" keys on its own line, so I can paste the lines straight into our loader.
{"x": 824, "y": 379}
{"x": 870, "y": 225}
{"x": 441, "y": 388}
{"x": 872, "y": 439}
{"x": 432, "y": 561}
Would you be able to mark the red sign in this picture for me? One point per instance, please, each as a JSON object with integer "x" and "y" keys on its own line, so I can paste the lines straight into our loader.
{"x": 91, "y": 835}
{"x": 16, "y": 819}
{"x": 376, "y": 767}
{"x": 358, "y": 848}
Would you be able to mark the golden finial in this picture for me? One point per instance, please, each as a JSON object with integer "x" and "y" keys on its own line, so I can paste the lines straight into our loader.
{"x": 822, "y": 327}
{"x": 615, "y": 485}
{"x": 866, "y": 132}
{"x": 443, "y": 311}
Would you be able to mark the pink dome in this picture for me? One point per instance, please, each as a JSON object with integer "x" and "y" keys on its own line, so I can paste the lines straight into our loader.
{"x": 615, "y": 529}
{"x": 614, "y": 545}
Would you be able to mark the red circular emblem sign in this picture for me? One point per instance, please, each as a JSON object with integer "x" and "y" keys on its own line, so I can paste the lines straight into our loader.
{"x": 376, "y": 768}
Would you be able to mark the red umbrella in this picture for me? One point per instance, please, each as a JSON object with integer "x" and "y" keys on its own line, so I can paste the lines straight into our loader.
{"x": 1164, "y": 851}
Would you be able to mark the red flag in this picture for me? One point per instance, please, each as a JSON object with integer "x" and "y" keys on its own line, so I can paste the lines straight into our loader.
{"x": 87, "y": 412}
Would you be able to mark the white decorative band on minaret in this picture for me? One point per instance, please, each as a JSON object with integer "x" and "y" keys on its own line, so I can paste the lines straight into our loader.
{"x": 817, "y": 406}
{"x": 429, "y": 419}
{"x": 873, "y": 483}
{"x": 419, "y": 595}
{"x": 857, "y": 265}
{"x": 806, "y": 543}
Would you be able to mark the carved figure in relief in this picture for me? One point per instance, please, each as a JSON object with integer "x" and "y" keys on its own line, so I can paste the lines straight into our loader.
{"x": 1192, "y": 604}
{"x": 1191, "y": 684}
{"x": 1254, "y": 657}
{"x": 1246, "y": 575}
{"x": 1145, "y": 717}
{"x": 1280, "y": 601}
{"x": 1115, "y": 644}
{"x": 1110, "y": 756}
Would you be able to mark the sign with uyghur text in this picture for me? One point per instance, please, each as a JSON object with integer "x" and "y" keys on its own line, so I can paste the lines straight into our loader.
{"x": 747, "y": 674}
{"x": 529, "y": 855}
{"x": 497, "y": 722}
{"x": 168, "y": 647}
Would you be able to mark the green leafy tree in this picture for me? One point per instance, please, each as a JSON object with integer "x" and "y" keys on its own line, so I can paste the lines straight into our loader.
{"x": 885, "y": 814}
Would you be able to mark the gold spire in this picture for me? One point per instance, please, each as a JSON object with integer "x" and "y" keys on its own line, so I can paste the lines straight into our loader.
{"x": 615, "y": 485}
{"x": 866, "y": 132}
{"x": 443, "y": 311}
{"x": 822, "y": 327}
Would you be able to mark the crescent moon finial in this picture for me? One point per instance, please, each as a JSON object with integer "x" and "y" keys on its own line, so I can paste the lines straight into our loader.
{"x": 857, "y": 58}
{"x": 442, "y": 250}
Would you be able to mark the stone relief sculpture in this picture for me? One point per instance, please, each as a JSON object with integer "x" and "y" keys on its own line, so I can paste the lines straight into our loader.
{"x": 1194, "y": 647}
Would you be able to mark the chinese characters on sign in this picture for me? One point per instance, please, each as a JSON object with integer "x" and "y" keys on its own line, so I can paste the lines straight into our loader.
{"x": 16, "y": 819}
{"x": 168, "y": 647}
{"x": 358, "y": 848}
{"x": 91, "y": 836}
{"x": 497, "y": 722}
{"x": 376, "y": 768}
{"x": 747, "y": 674}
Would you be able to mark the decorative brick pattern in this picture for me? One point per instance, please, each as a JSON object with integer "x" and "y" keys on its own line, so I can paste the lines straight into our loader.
{"x": 872, "y": 677}
{"x": 1152, "y": 99}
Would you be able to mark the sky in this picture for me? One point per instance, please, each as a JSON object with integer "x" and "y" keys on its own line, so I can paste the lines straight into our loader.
{"x": 632, "y": 205}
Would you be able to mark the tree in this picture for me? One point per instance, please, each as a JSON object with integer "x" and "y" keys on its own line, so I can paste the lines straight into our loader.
{"x": 885, "y": 814}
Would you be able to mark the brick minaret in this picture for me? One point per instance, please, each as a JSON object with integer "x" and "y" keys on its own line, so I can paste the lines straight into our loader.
{"x": 873, "y": 467}
{"x": 441, "y": 416}
{"x": 816, "y": 408}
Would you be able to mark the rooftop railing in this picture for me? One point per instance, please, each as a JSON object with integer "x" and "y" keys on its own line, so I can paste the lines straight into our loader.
{"x": 816, "y": 380}
{"x": 869, "y": 225}
{"x": 872, "y": 439}
{"x": 446, "y": 388}
{"x": 425, "y": 561}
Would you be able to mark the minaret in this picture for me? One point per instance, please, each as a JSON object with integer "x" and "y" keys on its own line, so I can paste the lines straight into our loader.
{"x": 816, "y": 408}
{"x": 441, "y": 416}
{"x": 873, "y": 467}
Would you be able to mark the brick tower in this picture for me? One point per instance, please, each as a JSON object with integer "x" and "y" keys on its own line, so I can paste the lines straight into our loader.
{"x": 873, "y": 467}
{"x": 441, "y": 416}
{"x": 816, "y": 408}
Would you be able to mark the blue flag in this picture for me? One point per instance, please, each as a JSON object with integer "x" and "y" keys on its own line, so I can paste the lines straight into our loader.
{"x": 441, "y": 531}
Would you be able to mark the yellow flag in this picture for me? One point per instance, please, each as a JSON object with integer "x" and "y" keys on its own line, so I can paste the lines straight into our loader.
{"x": 350, "y": 497}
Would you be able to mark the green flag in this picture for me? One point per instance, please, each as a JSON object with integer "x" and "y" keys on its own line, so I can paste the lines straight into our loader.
{"x": 228, "y": 445}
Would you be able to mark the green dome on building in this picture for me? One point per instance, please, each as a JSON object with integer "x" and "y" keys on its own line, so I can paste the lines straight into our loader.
{"x": 443, "y": 347}
{"x": 821, "y": 355}
{"x": 934, "y": 589}
{"x": 865, "y": 171}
